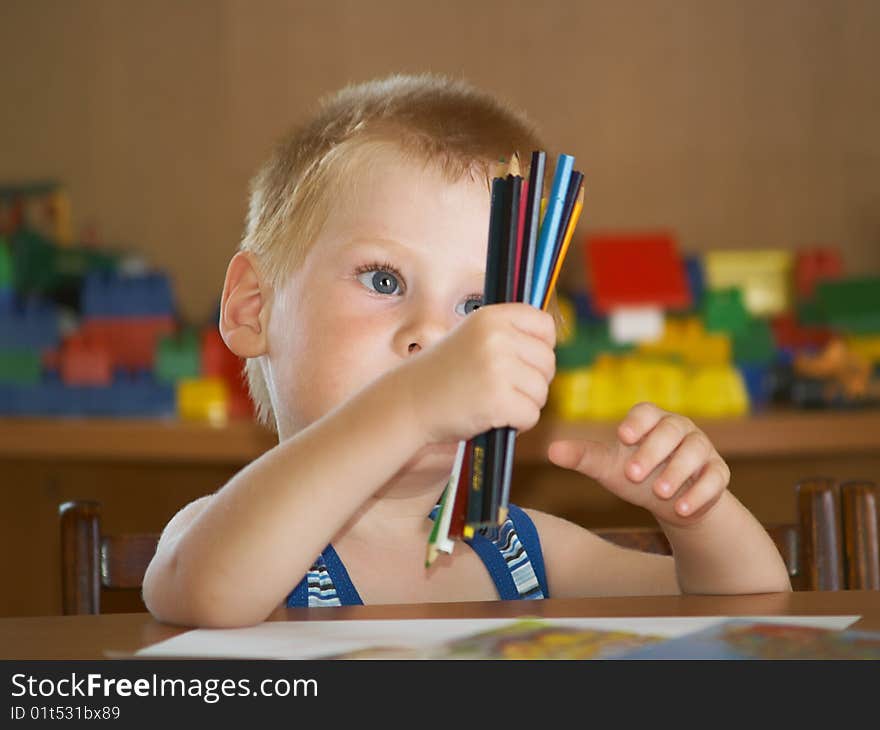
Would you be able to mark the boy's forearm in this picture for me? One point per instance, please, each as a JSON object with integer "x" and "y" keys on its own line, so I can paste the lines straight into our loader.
{"x": 728, "y": 551}
{"x": 270, "y": 521}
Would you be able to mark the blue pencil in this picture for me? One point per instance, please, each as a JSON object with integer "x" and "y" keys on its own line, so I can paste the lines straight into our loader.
{"x": 550, "y": 229}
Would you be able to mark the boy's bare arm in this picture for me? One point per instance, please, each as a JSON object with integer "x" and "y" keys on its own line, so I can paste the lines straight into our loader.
{"x": 232, "y": 560}
{"x": 229, "y": 560}
{"x": 728, "y": 551}
{"x": 661, "y": 461}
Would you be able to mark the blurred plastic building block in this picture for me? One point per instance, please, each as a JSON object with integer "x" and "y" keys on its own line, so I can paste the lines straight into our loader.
{"x": 20, "y": 367}
{"x": 633, "y": 270}
{"x": 203, "y": 399}
{"x": 633, "y": 279}
{"x": 814, "y": 265}
{"x": 865, "y": 346}
{"x": 724, "y": 311}
{"x": 763, "y": 276}
{"x": 693, "y": 266}
{"x": 135, "y": 395}
{"x": 586, "y": 343}
{"x": 83, "y": 363}
{"x": 111, "y": 295}
{"x": 716, "y": 391}
{"x": 131, "y": 341}
{"x": 218, "y": 361}
{"x": 760, "y": 383}
{"x": 42, "y": 206}
{"x": 178, "y": 357}
{"x": 789, "y": 334}
{"x": 41, "y": 267}
{"x": 685, "y": 339}
{"x": 837, "y": 363}
{"x": 610, "y": 387}
{"x": 32, "y": 324}
{"x": 851, "y": 305}
{"x": 636, "y": 324}
{"x": 754, "y": 344}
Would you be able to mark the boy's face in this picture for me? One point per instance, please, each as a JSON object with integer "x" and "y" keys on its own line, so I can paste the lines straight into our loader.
{"x": 396, "y": 267}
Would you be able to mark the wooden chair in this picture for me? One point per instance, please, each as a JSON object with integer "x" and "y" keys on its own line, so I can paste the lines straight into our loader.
{"x": 811, "y": 548}
{"x": 859, "y": 502}
{"x": 91, "y": 561}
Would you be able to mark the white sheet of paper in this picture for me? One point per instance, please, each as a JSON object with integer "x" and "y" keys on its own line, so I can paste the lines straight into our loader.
{"x": 312, "y": 639}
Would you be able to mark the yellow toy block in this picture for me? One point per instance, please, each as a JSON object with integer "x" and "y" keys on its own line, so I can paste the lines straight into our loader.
{"x": 764, "y": 276}
{"x": 865, "y": 346}
{"x": 569, "y": 394}
{"x": 716, "y": 391}
{"x": 203, "y": 399}
{"x": 614, "y": 384}
{"x": 569, "y": 319}
{"x": 686, "y": 339}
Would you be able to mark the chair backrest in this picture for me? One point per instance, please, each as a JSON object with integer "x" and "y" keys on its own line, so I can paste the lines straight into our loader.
{"x": 811, "y": 548}
{"x": 859, "y": 501}
{"x": 91, "y": 561}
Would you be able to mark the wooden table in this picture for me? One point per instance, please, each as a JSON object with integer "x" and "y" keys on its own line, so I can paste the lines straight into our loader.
{"x": 92, "y": 637}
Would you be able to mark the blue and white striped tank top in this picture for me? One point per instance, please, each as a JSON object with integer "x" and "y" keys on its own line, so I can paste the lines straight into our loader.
{"x": 511, "y": 554}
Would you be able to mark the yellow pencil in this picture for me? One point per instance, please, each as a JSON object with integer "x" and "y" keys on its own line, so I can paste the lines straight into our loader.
{"x": 569, "y": 232}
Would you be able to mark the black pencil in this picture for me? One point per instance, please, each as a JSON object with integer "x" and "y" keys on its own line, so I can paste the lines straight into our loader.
{"x": 482, "y": 450}
{"x": 503, "y": 439}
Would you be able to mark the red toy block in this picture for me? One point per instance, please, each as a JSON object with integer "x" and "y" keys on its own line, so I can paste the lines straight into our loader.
{"x": 84, "y": 364}
{"x": 636, "y": 270}
{"x": 814, "y": 265}
{"x": 131, "y": 341}
{"x": 219, "y": 361}
{"x": 788, "y": 334}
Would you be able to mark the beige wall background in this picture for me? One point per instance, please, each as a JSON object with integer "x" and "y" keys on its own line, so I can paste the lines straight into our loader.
{"x": 740, "y": 123}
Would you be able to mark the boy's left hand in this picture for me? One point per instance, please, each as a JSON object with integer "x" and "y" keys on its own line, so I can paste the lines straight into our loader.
{"x": 660, "y": 461}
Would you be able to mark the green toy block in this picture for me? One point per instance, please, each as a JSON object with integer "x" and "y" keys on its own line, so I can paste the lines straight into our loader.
{"x": 851, "y": 305}
{"x": 724, "y": 311}
{"x": 42, "y": 267}
{"x": 20, "y": 367}
{"x": 178, "y": 357}
{"x": 6, "y": 278}
{"x": 587, "y": 342}
{"x": 754, "y": 345}
{"x": 810, "y": 314}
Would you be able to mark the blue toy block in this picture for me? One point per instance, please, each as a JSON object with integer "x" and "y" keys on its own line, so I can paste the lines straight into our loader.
{"x": 32, "y": 325}
{"x": 759, "y": 383}
{"x": 109, "y": 294}
{"x": 696, "y": 280}
{"x": 583, "y": 308}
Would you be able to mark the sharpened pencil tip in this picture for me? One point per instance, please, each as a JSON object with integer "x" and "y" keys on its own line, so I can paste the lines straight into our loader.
{"x": 514, "y": 167}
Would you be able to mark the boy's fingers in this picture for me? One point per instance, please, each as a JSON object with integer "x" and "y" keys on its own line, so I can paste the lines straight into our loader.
{"x": 641, "y": 418}
{"x": 657, "y": 446}
{"x": 688, "y": 460}
{"x": 588, "y": 457}
{"x": 705, "y": 491}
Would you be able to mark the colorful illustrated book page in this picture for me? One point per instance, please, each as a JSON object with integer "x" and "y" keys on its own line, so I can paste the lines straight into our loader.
{"x": 740, "y": 639}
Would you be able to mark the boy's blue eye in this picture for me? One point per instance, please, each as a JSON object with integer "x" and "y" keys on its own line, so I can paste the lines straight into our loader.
{"x": 380, "y": 280}
{"x": 471, "y": 304}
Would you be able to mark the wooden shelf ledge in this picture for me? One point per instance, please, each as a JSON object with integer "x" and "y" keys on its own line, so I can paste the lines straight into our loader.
{"x": 771, "y": 434}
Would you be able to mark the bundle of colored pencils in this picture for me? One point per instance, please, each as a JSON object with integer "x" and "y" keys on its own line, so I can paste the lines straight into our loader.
{"x": 529, "y": 237}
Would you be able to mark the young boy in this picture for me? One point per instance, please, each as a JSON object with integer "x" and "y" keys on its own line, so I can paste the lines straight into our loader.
{"x": 355, "y": 299}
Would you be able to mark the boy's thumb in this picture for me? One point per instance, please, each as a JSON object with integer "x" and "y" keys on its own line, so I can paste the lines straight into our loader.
{"x": 587, "y": 457}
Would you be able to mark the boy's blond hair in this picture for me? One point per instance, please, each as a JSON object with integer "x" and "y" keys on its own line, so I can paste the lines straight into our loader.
{"x": 430, "y": 119}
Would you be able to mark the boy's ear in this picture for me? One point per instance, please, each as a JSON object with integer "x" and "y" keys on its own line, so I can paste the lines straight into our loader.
{"x": 244, "y": 308}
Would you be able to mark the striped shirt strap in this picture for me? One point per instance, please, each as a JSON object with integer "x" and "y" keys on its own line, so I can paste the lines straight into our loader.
{"x": 528, "y": 535}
